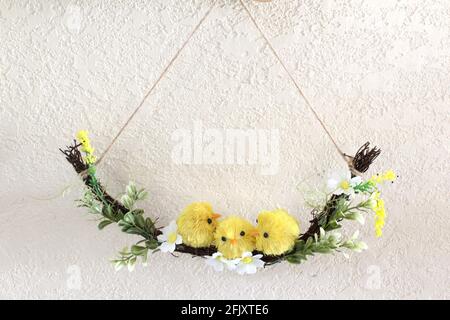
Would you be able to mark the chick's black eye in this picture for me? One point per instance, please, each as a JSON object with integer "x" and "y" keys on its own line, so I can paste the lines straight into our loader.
{"x": 242, "y": 233}
{"x": 224, "y": 239}
{"x": 266, "y": 235}
{"x": 209, "y": 220}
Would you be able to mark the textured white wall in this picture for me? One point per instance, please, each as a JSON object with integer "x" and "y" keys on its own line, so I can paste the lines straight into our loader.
{"x": 374, "y": 70}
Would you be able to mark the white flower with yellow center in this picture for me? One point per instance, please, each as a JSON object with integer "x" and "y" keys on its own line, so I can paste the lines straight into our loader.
{"x": 219, "y": 262}
{"x": 169, "y": 238}
{"x": 249, "y": 263}
{"x": 342, "y": 183}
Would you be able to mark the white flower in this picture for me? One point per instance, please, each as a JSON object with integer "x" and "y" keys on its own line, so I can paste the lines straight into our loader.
{"x": 218, "y": 262}
{"x": 231, "y": 263}
{"x": 169, "y": 238}
{"x": 249, "y": 263}
{"x": 342, "y": 182}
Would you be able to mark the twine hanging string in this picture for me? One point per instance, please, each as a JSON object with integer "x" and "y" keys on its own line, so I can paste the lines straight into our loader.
{"x": 158, "y": 80}
{"x": 346, "y": 158}
{"x": 294, "y": 82}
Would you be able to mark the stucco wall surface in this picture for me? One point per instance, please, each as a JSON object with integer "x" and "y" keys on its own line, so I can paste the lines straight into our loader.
{"x": 373, "y": 70}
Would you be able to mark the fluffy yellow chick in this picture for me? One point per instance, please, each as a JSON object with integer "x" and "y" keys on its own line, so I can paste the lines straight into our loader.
{"x": 233, "y": 237}
{"x": 276, "y": 232}
{"x": 196, "y": 224}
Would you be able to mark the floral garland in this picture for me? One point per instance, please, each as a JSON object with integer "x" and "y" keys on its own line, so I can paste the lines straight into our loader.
{"x": 232, "y": 243}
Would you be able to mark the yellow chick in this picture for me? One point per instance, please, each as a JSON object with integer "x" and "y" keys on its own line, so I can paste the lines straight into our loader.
{"x": 233, "y": 237}
{"x": 276, "y": 232}
{"x": 196, "y": 224}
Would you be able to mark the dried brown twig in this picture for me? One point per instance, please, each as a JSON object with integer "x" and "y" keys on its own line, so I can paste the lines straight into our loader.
{"x": 364, "y": 157}
{"x": 74, "y": 157}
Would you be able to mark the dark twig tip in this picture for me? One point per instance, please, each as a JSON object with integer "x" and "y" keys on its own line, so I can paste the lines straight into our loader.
{"x": 364, "y": 157}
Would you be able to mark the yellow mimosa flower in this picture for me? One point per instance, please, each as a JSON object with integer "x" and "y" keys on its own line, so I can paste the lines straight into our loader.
{"x": 90, "y": 159}
{"x": 377, "y": 206}
{"x": 389, "y": 175}
{"x": 83, "y": 138}
{"x": 380, "y": 178}
{"x": 88, "y": 148}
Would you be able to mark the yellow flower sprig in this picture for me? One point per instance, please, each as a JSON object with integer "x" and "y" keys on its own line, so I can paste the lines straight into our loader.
{"x": 376, "y": 203}
{"x": 83, "y": 137}
{"x": 388, "y": 176}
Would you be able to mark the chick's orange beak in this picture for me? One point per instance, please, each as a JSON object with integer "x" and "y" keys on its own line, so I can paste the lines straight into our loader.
{"x": 233, "y": 242}
{"x": 216, "y": 216}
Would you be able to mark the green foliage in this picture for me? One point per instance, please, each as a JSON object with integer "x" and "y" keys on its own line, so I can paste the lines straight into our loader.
{"x": 366, "y": 187}
{"x": 129, "y": 257}
{"x": 325, "y": 243}
{"x": 329, "y": 240}
{"x": 131, "y": 222}
{"x": 132, "y": 195}
{"x": 104, "y": 223}
{"x": 106, "y": 212}
{"x": 110, "y": 214}
{"x": 91, "y": 170}
{"x": 354, "y": 215}
{"x": 354, "y": 245}
{"x": 134, "y": 222}
{"x": 301, "y": 251}
{"x": 90, "y": 202}
{"x": 342, "y": 209}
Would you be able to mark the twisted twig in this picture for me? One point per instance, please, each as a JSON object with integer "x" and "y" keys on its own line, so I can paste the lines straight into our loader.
{"x": 73, "y": 156}
{"x": 364, "y": 157}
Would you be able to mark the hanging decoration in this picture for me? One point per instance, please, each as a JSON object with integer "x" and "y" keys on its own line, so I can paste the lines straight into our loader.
{"x": 231, "y": 242}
